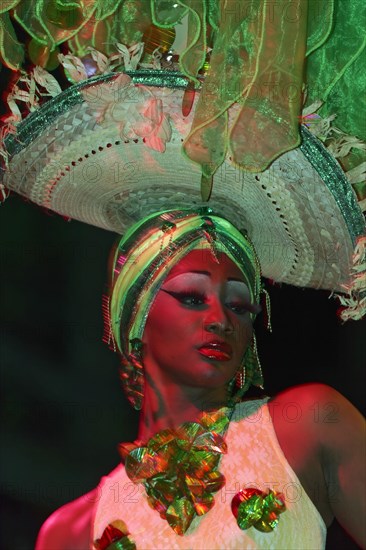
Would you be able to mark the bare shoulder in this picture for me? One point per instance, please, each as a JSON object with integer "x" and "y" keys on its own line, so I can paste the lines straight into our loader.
{"x": 319, "y": 408}
{"x": 306, "y": 393}
{"x": 320, "y": 411}
{"x": 69, "y": 527}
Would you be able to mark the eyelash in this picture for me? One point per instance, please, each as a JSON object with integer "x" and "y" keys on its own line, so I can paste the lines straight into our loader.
{"x": 183, "y": 298}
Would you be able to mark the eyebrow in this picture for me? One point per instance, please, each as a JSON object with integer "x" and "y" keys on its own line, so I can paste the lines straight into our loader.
{"x": 209, "y": 275}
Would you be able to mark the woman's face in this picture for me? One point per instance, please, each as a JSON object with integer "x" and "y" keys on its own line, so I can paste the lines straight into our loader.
{"x": 199, "y": 324}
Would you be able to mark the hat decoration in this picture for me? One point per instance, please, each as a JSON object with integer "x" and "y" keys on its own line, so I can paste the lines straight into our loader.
{"x": 108, "y": 150}
{"x": 255, "y": 53}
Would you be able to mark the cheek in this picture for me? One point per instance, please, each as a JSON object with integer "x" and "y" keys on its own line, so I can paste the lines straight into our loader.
{"x": 168, "y": 327}
{"x": 246, "y": 328}
{"x": 243, "y": 331}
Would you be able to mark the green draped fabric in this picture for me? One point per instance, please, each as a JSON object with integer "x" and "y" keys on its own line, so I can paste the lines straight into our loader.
{"x": 262, "y": 55}
{"x": 336, "y": 63}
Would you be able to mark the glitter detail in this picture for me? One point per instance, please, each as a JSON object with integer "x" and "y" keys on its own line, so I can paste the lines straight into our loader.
{"x": 179, "y": 468}
{"x": 254, "y": 508}
{"x": 115, "y": 536}
{"x": 335, "y": 180}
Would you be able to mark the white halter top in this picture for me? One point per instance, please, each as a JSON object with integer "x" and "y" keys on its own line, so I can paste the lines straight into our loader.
{"x": 254, "y": 459}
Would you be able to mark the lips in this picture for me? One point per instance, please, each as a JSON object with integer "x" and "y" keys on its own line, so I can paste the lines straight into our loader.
{"x": 220, "y": 351}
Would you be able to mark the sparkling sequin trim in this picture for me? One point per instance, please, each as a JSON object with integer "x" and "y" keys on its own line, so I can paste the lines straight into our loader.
{"x": 335, "y": 180}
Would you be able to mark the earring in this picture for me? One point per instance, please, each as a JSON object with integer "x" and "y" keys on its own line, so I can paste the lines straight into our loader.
{"x": 132, "y": 374}
{"x": 253, "y": 365}
{"x": 240, "y": 377}
{"x": 237, "y": 386}
{"x": 249, "y": 373}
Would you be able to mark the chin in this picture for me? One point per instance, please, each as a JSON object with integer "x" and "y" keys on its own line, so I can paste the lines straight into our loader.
{"x": 214, "y": 374}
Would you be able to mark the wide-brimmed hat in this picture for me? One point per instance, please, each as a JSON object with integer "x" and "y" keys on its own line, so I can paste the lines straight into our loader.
{"x": 108, "y": 151}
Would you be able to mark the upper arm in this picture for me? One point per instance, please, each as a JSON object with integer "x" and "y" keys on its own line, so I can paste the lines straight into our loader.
{"x": 328, "y": 443}
{"x": 69, "y": 527}
{"x": 343, "y": 460}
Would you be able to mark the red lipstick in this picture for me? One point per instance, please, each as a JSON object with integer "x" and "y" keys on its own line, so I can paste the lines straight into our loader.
{"x": 220, "y": 351}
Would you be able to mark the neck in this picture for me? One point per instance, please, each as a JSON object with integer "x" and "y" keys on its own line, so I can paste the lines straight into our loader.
{"x": 167, "y": 405}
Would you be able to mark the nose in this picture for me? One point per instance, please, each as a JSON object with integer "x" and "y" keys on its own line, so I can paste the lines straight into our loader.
{"x": 217, "y": 319}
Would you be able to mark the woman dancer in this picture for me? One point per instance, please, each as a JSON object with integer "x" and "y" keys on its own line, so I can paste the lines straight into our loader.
{"x": 185, "y": 291}
{"x": 108, "y": 150}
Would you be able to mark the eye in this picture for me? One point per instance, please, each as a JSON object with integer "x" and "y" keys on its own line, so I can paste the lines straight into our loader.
{"x": 237, "y": 307}
{"x": 188, "y": 297}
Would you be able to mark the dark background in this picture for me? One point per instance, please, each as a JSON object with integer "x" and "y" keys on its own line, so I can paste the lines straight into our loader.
{"x": 62, "y": 410}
